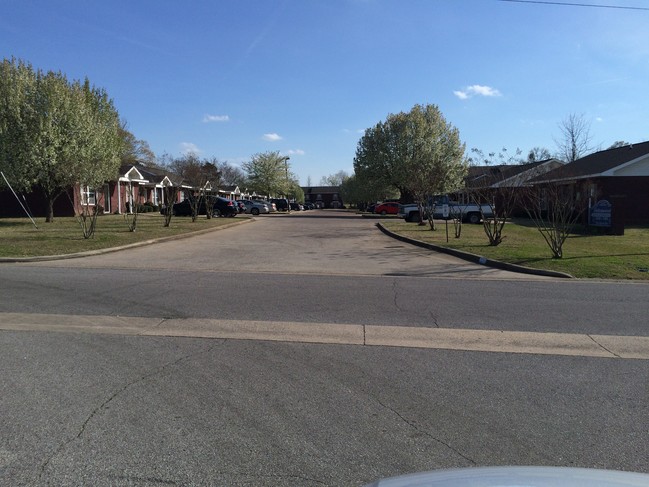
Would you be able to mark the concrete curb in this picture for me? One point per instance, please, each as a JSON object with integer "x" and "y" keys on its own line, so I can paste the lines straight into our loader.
{"x": 476, "y": 259}
{"x": 372, "y": 216}
{"x": 462, "y": 339}
{"x": 88, "y": 253}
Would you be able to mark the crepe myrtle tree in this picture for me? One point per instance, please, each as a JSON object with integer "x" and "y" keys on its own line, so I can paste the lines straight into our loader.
{"x": 489, "y": 191}
{"x": 202, "y": 175}
{"x": 133, "y": 193}
{"x": 171, "y": 194}
{"x": 554, "y": 208}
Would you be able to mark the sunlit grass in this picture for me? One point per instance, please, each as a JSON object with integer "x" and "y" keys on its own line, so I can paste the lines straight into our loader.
{"x": 19, "y": 237}
{"x": 592, "y": 256}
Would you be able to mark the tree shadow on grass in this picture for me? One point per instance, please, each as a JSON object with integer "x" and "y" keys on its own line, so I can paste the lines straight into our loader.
{"x": 578, "y": 257}
{"x": 12, "y": 223}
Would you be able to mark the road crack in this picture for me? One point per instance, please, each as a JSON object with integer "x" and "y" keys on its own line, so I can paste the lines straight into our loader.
{"x": 395, "y": 293}
{"x": 118, "y": 392}
{"x": 603, "y": 347}
{"x": 434, "y": 319}
{"x": 424, "y": 432}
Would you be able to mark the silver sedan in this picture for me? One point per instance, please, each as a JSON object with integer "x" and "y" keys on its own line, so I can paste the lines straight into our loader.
{"x": 255, "y": 207}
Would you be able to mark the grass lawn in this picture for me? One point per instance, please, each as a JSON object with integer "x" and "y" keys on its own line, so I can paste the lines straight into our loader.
{"x": 589, "y": 256}
{"x": 19, "y": 238}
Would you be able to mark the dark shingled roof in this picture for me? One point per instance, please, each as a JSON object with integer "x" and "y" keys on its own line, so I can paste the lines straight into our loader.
{"x": 597, "y": 163}
{"x": 320, "y": 189}
{"x": 485, "y": 176}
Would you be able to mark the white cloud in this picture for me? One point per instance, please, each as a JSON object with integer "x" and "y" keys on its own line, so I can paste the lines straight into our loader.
{"x": 599, "y": 119}
{"x": 272, "y": 137}
{"x": 189, "y": 148}
{"x": 296, "y": 152}
{"x": 476, "y": 90}
{"x": 215, "y": 118}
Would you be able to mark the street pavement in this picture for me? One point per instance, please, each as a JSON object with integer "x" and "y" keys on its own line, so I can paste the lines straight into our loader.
{"x": 310, "y": 349}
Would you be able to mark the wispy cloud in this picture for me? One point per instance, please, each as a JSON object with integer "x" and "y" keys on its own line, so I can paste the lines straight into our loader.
{"x": 272, "y": 137}
{"x": 189, "y": 148}
{"x": 215, "y": 118}
{"x": 476, "y": 90}
{"x": 296, "y": 152}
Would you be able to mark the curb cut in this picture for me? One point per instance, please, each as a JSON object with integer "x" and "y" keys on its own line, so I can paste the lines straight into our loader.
{"x": 476, "y": 259}
{"x": 88, "y": 253}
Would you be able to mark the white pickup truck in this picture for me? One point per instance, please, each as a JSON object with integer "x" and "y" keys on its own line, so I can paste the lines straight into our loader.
{"x": 469, "y": 212}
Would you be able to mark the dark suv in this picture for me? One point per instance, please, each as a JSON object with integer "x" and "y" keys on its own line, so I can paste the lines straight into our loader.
{"x": 222, "y": 207}
{"x": 281, "y": 204}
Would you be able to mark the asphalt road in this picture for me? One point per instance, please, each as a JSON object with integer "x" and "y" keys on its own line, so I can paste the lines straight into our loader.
{"x": 113, "y": 373}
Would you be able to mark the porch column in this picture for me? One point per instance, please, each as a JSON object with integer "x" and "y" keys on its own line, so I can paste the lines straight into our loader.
{"x": 119, "y": 198}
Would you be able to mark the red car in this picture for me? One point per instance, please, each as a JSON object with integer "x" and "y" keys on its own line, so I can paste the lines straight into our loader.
{"x": 390, "y": 208}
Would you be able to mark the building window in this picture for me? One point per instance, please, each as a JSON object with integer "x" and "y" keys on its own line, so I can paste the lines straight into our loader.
{"x": 88, "y": 196}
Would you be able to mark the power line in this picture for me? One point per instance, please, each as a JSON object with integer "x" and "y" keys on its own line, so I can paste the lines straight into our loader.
{"x": 570, "y": 4}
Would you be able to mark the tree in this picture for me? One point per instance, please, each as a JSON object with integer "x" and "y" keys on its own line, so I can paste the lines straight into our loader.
{"x": 133, "y": 194}
{"x": 202, "y": 176}
{"x": 618, "y": 143}
{"x": 334, "y": 179}
{"x": 267, "y": 173}
{"x": 419, "y": 153}
{"x": 55, "y": 133}
{"x": 295, "y": 191}
{"x": 554, "y": 208}
{"x": 231, "y": 175}
{"x": 488, "y": 190}
{"x": 537, "y": 154}
{"x": 171, "y": 193}
{"x": 575, "y": 140}
{"x": 100, "y": 153}
{"x": 18, "y": 129}
{"x": 367, "y": 188}
{"x": 351, "y": 192}
{"x": 136, "y": 150}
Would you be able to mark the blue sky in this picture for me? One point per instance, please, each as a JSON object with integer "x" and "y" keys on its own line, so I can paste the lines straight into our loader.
{"x": 229, "y": 79}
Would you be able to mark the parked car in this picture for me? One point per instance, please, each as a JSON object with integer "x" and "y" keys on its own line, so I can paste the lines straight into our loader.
{"x": 468, "y": 212}
{"x": 281, "y": 204}
{"x": 255, "y": 208}
{"x": 225, "y": 207}
{"x": 240, "y": 206}
{"x": 184, "y": 208}
{"x": 271, "y": 206}
{"x": 296, "y": 206}
{"x": 222, "y": 207}
{"x": 388, "y": 208}
{"x": 309, "y": 206}
{"x": 371, "y": 208}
